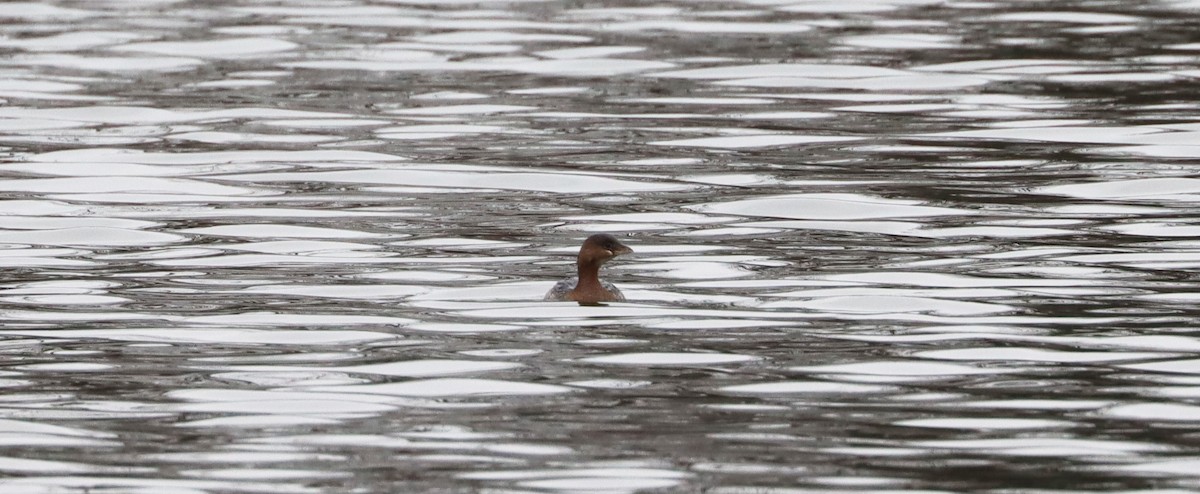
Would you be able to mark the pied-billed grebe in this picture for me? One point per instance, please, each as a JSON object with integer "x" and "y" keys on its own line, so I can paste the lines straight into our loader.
{"x": 587, "y": 288}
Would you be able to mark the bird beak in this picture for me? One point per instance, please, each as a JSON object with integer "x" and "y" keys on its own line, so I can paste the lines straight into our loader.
{"x": 622, "y": 250}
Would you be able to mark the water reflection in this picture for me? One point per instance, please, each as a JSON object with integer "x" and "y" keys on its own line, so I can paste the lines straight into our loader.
{"x": 882, "y": 245}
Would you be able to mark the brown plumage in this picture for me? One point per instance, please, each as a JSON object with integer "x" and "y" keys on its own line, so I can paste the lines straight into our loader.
{"x": 587, "y": 288}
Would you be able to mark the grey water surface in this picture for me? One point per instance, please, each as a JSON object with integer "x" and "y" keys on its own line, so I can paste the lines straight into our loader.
{"x": 881, "y": 245}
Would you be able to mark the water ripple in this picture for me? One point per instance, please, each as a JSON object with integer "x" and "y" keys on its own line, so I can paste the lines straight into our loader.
{"x": 879, "y": 245}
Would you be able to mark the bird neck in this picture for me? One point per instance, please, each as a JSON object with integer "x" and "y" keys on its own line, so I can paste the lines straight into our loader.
{"x": 589, "y": 274}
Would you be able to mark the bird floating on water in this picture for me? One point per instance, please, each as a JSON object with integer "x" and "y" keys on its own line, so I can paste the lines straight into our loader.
{"x": 587, "y": 288}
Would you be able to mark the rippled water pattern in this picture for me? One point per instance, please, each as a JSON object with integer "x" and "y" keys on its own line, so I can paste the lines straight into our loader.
{"x": 881, "y": 245}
